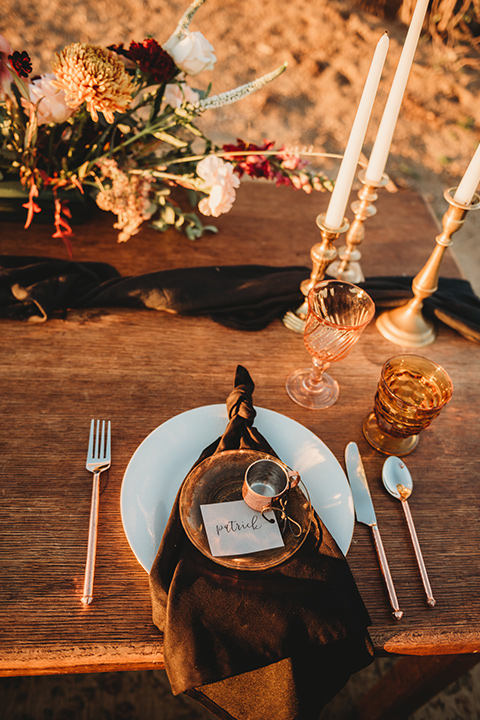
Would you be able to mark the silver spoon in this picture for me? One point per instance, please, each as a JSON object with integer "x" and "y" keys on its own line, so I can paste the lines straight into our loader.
{"x": 398, "y": 481}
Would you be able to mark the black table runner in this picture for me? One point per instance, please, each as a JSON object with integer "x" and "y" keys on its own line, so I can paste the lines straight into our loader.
{"x": 244, "y": 297}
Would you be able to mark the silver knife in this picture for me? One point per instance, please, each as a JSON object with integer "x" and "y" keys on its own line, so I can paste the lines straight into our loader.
{"x": 365, "y": 513}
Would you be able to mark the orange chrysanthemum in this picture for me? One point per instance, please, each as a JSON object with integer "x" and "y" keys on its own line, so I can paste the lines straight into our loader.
{"x": 94, "y": 75}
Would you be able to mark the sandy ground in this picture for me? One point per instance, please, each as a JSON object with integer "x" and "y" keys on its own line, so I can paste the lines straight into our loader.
{"x": 328, "y": 45}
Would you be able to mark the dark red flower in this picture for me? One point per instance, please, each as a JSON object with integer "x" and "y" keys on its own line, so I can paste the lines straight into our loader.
{"x": 251, "y": 160}
{"x": 21, "y": 63}
{"x": 151, "y": 58}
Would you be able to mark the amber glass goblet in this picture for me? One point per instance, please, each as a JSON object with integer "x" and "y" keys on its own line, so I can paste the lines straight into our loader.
{"x": 338, "y": 313}
{"x": 411, "y": 393}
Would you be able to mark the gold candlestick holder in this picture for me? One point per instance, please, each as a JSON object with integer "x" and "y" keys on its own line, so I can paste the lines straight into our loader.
{"x": 407, "y": 325}
{"x": 322, "y": 255}
{"x": 348, "y": 266}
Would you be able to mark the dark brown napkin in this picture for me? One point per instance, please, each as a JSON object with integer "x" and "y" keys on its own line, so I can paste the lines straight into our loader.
{"x": 244, "y": 297}
{"x": 274, "y": 643}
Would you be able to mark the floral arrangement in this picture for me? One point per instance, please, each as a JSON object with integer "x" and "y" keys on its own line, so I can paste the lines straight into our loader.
{"x": 119, "y": 123}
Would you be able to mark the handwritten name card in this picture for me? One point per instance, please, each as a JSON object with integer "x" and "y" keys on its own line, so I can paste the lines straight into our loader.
{"x": 233, "y": 528}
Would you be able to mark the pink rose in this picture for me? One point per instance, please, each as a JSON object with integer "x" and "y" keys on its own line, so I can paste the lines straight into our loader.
{"x": 51, "y": 107}
{"x": 175, "y": 95}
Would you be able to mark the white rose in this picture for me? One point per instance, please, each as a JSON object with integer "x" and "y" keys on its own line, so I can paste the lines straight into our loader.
{"x": 51, "y": 107}
{"x": 220, "y": 183}
{"x": 175, "y": 95}
{"x": 192, "y": 53}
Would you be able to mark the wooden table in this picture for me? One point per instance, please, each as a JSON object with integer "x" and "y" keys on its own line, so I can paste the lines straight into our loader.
{"x": 139, "y": 368}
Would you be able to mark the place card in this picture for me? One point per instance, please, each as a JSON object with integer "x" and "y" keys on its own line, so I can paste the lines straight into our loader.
{"x": 233, "y": 528}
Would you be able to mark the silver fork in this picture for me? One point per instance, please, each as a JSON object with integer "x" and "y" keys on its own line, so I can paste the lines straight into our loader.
{"x": 98, "y": 460}
{"x": 293, "y": 322}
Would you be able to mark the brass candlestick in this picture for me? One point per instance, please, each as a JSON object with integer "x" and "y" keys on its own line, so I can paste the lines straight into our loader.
{"x": 322, "y": 255}
{"x": 406, "y": 325}
{"x": 348, "y": 266}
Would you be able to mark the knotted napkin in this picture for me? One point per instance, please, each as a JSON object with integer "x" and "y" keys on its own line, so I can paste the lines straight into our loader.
{"x": 280, "y": 642}
{"x": 244, "y": 297}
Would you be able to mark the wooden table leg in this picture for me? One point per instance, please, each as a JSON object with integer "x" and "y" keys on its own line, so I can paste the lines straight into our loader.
{"x": 410, "y": 683}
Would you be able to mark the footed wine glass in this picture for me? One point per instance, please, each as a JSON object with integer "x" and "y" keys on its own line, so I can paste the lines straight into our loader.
{"x": 338, "y": 313}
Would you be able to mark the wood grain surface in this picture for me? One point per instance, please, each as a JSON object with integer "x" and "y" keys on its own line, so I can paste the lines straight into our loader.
{"x": 139, "y": 368}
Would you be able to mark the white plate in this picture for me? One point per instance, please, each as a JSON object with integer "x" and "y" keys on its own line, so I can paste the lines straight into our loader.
{"x": 161, "y": 462}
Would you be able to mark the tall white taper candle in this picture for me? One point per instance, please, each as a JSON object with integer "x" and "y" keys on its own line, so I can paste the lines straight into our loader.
{"x": 469, "y": 183}
{"x": 381, "y": 147}
{"x": 336, "y": 209}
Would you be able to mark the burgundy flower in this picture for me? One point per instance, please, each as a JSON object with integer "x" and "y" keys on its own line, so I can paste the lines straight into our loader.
{"x": 21, "y": 63}
{"x": 151, "y": 58}
{"x": 251, "y": 161}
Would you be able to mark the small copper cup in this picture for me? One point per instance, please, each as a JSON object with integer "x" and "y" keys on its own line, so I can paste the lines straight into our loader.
{"x": 411, "y": 393}
{"x": 266, "y": 482}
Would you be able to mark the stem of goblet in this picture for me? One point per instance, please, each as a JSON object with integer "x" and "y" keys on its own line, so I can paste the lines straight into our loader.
{"x": 318, "y": 368}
